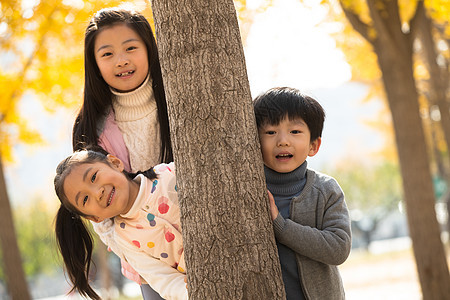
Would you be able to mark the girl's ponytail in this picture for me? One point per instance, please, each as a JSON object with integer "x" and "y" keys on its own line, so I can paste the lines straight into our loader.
{"x": 75, "y": 244}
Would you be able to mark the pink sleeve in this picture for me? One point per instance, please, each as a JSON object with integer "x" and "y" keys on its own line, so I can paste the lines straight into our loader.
{"x": 129, "y": 272}
{"x": 111, "y": 140}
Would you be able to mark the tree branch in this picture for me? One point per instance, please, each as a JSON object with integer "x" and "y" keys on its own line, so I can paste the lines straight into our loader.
{"x": 361, "y": 27}
{"x": 415, "y": 20}
{"x": 16, "y": 93}
{"x": 379, "y": 22}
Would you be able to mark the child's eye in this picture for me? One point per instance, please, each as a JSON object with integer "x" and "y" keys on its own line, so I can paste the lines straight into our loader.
{"x": 131, "y": 48}
{"x": 106, "y": 54}
{"x": 85, "y": 199}
{"x": 296, "y": 131}
{"x": 270, "y": 132}
{"x": 93, "y": 177}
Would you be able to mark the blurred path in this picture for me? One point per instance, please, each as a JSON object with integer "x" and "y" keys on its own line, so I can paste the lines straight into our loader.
{"x": 388, "y": 275}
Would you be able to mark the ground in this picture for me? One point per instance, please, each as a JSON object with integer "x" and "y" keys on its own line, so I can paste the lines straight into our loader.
{"x": 391, "y": 275}
{"x": 383, "y": 274}
{"x": 380, "y": 274}
{"x": 387, "y": 271}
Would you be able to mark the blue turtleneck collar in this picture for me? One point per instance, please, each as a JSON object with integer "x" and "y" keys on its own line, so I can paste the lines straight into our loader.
{"x": 286, "y": 185}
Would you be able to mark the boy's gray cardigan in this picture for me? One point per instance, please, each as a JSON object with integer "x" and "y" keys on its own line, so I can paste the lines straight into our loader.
{"x": 318, "y": 231}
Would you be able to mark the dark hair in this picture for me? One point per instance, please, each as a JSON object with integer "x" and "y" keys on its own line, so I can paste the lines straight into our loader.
{"x": 278, "y": 103}
{"x": 74, "y": 239}
{"x": 97, "y": 94}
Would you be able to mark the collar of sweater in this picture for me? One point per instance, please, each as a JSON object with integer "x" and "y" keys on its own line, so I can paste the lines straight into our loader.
{"x": 136, "y": 104}
{"x": 285, "y": 184}
{"x": 140, "y": 199}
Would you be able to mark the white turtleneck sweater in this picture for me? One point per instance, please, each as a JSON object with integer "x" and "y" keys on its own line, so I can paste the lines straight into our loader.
{"x": 137, "y": 118}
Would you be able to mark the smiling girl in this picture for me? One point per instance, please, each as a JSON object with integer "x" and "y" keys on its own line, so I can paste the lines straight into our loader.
{"x": 144, "y": 212}
{"x": 124, "y": 111}
{"x": 124, "y": 108}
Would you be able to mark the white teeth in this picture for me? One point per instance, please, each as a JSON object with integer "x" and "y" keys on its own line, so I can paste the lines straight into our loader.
{"x": 125, "y": 74}
{"x": 284, "y": 155}
{"x": 110, "y": 197}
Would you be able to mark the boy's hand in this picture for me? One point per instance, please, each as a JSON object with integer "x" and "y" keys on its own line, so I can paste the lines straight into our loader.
{"x": 273, "y": 206}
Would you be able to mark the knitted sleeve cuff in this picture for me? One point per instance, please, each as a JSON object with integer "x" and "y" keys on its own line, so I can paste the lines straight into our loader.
{"x": 278, "y": 224}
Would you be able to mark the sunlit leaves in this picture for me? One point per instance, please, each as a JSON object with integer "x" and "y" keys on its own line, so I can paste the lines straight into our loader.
{"x": 439, "y": 10}
{"x": 246, "y": 12}
{"x": 42, "y": 55}
{"x": 359, "y": 52}
{"x": 359, "y": 7}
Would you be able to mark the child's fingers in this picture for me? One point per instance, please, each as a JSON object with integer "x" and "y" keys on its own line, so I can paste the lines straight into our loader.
{"x": 271, "y": 197}
{"x": 273, "y": 206}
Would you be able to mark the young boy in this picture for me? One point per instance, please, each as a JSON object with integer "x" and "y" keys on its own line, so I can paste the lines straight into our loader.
{"x": 309, "y": 213}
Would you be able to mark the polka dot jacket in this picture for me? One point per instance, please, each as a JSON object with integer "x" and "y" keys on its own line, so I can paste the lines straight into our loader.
{"x": 153, "y": 223}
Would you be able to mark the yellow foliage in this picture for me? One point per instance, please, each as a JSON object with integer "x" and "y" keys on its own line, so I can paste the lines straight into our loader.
{"x": 43, "y": 45}
{"x": 361, "y": 57}
{"x": 439, "y": 10}
{"x": 42, "y": 53}
{"x": 407, "y": 9}
{"x": 359, "y": 7}
{"x": 246, "y": 15}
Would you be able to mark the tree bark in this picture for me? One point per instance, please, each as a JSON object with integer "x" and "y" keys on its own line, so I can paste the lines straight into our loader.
{"x": 12, "y": 262}
{"x": 394, "y": 51}
{"x": 417, "y": 184}
{"x": 439, "y": 75}
{"x": 230, "y": 248}
{"x": 439, "y": 85}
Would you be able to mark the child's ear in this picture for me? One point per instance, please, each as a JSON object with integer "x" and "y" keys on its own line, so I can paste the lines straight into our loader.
{"x": 314, "y": 146}
{"x": 115, "y": 162}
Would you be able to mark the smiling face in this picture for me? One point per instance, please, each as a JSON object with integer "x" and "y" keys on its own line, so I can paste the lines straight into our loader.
{"x": 100, "y": 190}
{"x": 121, "y": 56}
{"x": 287, "y": 145}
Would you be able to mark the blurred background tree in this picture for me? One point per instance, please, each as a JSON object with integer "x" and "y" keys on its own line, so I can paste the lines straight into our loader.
{"x": 414, "y": 75}
{"x": 41, "y": 46}
{"x": 400, "y": 49}
{"x": 392, "y": 30}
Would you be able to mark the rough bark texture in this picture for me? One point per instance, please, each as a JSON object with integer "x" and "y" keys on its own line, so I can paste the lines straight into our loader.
{"x": 229, "y": 244}
{"x": 12, "y": 262}
{"x": 394, "y": 50}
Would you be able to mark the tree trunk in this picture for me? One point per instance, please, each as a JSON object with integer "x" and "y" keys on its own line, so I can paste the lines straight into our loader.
{"x": 15, "y": 276}
{"x": 417, "y": 184}
{"x": 439, "y": 85}
{"x": 439, "y": 76}
{"x": 230, "y": 248}
{"x": 394, "y": 51}
{"x": 393, "y": 48}
{"x": 105, "y": 273}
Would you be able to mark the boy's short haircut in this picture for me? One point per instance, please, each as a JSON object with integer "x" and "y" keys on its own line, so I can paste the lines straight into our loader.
{"x": 278, "y": 103}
